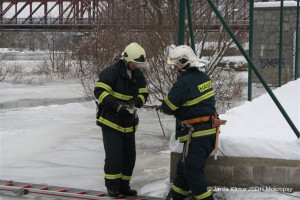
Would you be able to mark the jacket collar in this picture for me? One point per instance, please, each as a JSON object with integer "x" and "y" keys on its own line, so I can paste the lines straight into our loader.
{"x": 189, "y": 70}
{"x": 123, "y": 72}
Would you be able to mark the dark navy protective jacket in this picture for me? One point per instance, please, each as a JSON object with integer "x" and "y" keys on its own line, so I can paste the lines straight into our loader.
{"x": 115, "y": 84}
{"x": 191, "y": 96}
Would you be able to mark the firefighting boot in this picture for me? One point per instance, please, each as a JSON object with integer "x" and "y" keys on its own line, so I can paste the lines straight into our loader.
{"x": 173, "y": 196}
{"x": 129, "y": 192}
{"x": 112, "y": 192}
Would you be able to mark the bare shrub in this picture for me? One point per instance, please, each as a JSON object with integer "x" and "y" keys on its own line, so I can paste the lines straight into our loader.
{"x": 94, "y": 52}
{"x": 3, "y": 70}
{"x": 3, "y": 73}
{"x": 59, "y": 55}
{"x": 98, "y": 49}
{"x": 227, "y": 87}
{"x": 159, "y": 76}
{"x": 43, "y": 70}
{"x": 15, "y": 74}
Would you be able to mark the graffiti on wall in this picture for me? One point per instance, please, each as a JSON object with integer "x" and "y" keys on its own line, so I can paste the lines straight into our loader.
{"x": 270, "y": 62}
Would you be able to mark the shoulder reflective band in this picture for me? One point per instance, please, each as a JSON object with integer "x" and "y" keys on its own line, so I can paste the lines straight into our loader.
{"x": 113, "y": 176}
{"x": 168, "y": 102}
{"x": 199, "y": 99}
{"x": 180, "y": 191}
{"x": 143, "y": 90}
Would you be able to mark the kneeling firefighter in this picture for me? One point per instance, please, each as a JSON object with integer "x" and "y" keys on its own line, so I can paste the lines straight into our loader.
{"x": 191, "y": 100}
{"x": 121, "y": 89}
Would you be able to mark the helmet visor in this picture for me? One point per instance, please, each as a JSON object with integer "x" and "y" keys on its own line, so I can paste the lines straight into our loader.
{"x": 140, "y": 64}
{"x": 141, "y": 59}
{"x": 170, "y": 61}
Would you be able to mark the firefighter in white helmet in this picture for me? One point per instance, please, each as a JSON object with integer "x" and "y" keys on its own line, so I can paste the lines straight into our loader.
{"x": 191, "y": 100}
{"x": 121, "y": 87}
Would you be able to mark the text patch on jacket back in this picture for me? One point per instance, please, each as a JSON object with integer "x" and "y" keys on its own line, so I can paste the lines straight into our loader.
{"x": 205, "y": 86}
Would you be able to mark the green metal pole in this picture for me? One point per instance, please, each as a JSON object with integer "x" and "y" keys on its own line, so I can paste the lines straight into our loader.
{"x": 250, "y": 50}
{"x": 254, "y": 68}
{"x": 297, "y": 39}
{"x": 280, "y": 44}
{"x": 188, "y": 7}
{"x": 181, "y": 22}
{"x": 181, "y": 25}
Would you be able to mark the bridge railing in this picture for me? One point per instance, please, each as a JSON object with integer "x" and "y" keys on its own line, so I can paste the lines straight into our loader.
{"x": 104, "y": 21}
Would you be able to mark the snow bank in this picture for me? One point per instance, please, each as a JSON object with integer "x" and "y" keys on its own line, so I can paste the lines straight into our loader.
{"x": 275, "y": 4}
{"x": 258, "y": 129}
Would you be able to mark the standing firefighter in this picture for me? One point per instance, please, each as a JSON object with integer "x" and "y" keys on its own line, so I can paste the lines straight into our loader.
{"x": 121, "y": 89}
{"x": 191, "y": 100}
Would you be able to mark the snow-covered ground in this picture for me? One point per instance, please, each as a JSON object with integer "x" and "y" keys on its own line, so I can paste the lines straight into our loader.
{"x": 286, "y": 3}
{"x": 44, "y": 139}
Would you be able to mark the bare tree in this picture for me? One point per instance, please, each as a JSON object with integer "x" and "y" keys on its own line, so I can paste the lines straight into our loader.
{"x": 59, "y": 54}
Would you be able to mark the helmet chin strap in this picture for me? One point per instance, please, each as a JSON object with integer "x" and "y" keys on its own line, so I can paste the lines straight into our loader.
{"x": 183, "y": 69}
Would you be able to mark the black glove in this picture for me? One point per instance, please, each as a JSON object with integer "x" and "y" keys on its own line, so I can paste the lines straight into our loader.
{"x": 117, "y": 106}
{"x": 122, "y": 110}
{"x": 112, "y": 103}
{"x": 136, "y": 102}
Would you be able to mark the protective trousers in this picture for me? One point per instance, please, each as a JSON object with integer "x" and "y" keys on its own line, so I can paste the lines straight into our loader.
{"x": 120, "y": 158}
{"x": 190, "y": 174}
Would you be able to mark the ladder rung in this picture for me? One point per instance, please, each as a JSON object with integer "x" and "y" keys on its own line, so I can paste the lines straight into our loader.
{"x": 120, "y": 197}
{"x": 100, "y": 195}
{"x": 8, "y": 184}
{"x": 43, "y": 188}
{"x": 62, "y": 190}
{"x": 25, "y": 186}
{"x": 38, "y": 189}
{"x": 81, "y": 192}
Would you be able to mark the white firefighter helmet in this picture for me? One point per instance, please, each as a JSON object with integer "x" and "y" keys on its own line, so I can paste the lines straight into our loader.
{"x": 184, "y": 57}
{"x": 134, "y": 53}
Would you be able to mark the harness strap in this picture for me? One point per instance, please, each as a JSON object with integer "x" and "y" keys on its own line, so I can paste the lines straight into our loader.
{"x": 196, "y": 120}
{"x": 186, "y": 148}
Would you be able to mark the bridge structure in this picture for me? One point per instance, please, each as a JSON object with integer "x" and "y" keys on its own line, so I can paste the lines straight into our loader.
{"x": 87, "y": 14}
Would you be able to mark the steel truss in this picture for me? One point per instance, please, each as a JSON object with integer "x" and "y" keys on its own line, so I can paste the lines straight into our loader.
{"x": 86, "y": 14}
